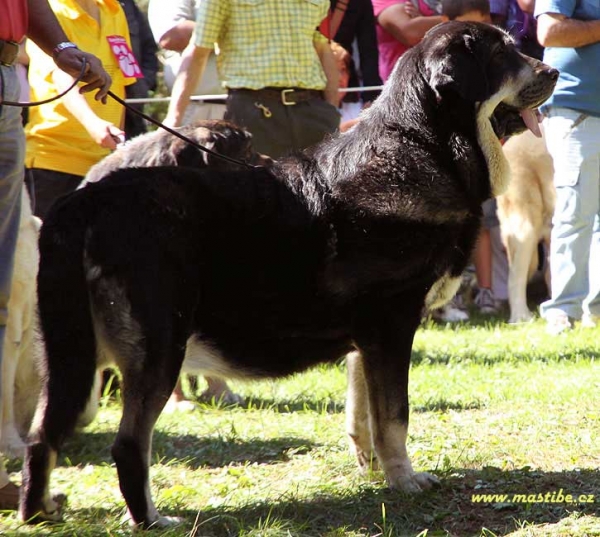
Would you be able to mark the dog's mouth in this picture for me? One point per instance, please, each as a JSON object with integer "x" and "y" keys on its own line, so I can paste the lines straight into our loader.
{"x": 507, "y": 121}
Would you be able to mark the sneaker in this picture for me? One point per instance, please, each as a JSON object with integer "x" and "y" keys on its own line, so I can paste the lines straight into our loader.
{"x": 450, "y": 314}
{"x": 557, "y": 322}
{"x": 589, "y": 320}
{"x": 9, "y": 497}
{"x": 484, "y": 300}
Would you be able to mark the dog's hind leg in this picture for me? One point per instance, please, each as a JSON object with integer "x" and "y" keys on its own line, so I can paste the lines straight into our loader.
{"x": 70, "y": 371}
{"x": 384, "y": 335}
{"x": 148, "y": 381}
{"x": 69, "y": 368}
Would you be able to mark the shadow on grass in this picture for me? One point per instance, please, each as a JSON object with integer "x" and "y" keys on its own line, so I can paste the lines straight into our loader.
{"x": 372, "y": 509}
{"x": 300, "y": 404}
{"x": 447, "y": 510}
{"x": 190, "y": 451}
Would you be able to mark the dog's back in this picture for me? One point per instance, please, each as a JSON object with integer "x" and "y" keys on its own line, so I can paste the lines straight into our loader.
{"x": 161, "y": 148}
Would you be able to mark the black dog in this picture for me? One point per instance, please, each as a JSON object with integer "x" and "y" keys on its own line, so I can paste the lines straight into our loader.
{"x": 161, "y": 148}
{"x": 267, "y": 272}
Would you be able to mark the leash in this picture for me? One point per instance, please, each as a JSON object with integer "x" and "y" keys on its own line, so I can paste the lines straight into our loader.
{"x": 128, "y": 107}
{"x": 179, "y": 135}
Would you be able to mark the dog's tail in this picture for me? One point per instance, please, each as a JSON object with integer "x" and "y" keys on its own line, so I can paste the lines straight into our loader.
{"x": 66, "y": 322}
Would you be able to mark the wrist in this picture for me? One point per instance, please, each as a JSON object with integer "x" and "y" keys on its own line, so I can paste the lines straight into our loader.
{"x": 60, "y": 47}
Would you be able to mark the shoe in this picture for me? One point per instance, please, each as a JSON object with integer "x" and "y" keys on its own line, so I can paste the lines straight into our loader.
{"x": 9, "y": 497}
{"x": 557, "y": 323}
{"x": 450, "y": 314}
{"x": 485, "y": 302}
{"x": 589, "y": 320}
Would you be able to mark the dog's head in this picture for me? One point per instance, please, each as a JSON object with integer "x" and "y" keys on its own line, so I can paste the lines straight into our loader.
{"x": 219, "y": 136}
{"x": 480, "y": 64}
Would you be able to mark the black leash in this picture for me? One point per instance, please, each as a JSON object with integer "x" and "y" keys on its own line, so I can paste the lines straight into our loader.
{"x": 128, "y": 107}
{"x": 178, "y": 134}
{"x": 46, "y": 101}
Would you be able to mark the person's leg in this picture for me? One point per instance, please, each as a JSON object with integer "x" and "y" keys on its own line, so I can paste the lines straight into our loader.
{"x": 575, "y": 154}
{"x": 484, "y": 298}
{"x": 12, "y": 155}
{"x": 483, "y": 259}
{"x": 48, "y": 186}
{"x": 312, "y": 121}
{"x": 266, "y": 119}
{"x": 591, "y": 304}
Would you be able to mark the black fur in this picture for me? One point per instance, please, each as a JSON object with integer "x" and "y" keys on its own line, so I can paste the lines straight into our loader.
{"x": 272, "y": 271}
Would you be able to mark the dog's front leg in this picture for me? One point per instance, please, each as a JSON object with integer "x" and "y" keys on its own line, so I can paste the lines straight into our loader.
{"x": 384, "y": 335}
{"x": 357, "y": 414}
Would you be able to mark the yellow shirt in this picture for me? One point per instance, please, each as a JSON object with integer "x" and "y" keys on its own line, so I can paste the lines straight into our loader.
{"x": 55, "y": 139}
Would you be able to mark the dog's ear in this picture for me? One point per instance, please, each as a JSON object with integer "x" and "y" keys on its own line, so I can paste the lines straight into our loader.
{"x": 460, "y": 71}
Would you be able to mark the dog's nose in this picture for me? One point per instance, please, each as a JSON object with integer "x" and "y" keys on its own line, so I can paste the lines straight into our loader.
{"x": 550, "y": 72}
{"x": 553, "y": 73}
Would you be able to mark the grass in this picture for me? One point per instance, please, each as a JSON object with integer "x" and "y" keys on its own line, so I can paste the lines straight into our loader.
{"x": 496, "y": 409}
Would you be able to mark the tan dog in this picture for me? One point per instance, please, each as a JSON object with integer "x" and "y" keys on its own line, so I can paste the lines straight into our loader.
{"x": 20, "y": 379}
{"x": 525, "y": 214}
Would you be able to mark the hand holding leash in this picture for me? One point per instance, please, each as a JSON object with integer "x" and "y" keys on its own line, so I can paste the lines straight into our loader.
{"x": 71, "y": 60}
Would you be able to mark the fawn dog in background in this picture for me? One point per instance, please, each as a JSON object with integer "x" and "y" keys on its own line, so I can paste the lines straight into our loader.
{"x": 525, "y": 213}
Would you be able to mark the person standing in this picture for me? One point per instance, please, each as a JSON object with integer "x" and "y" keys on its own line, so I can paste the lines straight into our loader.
{"x": 356, "y": 33}
{"x": 144, "y": 49}
{"x": 35, "y": 19}
{"x": 172, "y": 25}
{"x": 280, "y": 72}
{"x": 401, "y": 24}
{"x": 570, "y": 31}
{"x": 66, "y": 137}
{"x": 516, "y": 17}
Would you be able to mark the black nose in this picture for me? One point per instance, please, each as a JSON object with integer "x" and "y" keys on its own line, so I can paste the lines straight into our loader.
{"x": 553, "y": 73}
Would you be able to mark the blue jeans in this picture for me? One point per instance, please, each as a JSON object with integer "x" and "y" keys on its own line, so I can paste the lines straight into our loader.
{"x": 12, "y": 156}
{"x": 573, "y": 141}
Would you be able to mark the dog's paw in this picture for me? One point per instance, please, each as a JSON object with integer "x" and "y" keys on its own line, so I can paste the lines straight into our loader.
{"x": 367, "y": 460}
{"x": 413, "y": 482}
{"x": 166, "y": 522}
{"x": 51, "y": 511}
{"x": 162, "y": 522}
{"x": 523, "y": 317}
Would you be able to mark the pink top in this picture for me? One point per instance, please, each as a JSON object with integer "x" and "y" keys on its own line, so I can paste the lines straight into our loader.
{"x": 390, "y": 49}
{"x": 13, "y": 21}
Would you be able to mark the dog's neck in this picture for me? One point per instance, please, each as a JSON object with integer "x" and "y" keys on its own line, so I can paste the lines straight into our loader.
{"x": 498, "y": 167}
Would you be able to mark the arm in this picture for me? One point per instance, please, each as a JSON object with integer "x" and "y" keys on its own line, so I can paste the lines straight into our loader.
{"x": 192, "y": 68}
{"x": 528, "y": 6}
{"x": 556, "y": 30}
{"x": 330, "y": 68}
{"x": 45, "y": 30}
{"x": 101, "y": 131}
{"x": 178, "y": 37}
{"x": 409, "y": 31}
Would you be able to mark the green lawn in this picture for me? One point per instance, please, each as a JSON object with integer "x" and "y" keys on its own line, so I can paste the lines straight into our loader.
{"x": 496, "y": 410}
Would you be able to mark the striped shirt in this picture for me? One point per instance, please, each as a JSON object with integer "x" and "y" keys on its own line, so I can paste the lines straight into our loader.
{"x": 264, "y": 43}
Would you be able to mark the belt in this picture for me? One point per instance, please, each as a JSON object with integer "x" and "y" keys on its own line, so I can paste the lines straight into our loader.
{"x": 8, "y": 52}
{"x": 287, "y": 96}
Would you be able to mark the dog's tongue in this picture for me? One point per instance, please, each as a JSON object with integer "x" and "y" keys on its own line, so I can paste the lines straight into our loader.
{"x": 531, "y": 121}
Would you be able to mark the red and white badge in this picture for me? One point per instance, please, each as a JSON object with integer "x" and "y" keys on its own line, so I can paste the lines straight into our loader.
{"x": 127, "y": 62}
